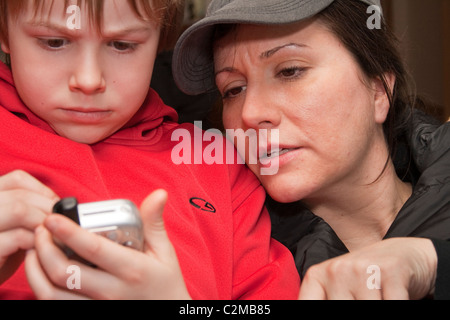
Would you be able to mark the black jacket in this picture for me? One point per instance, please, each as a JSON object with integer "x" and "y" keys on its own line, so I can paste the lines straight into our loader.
{"x": 426, "y": 214}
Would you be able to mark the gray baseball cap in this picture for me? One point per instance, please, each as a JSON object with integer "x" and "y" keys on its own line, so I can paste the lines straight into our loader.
{"x": 193, "y": 66}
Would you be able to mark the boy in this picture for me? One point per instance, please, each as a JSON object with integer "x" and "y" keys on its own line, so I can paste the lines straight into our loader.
{"x": 78, "y": 119}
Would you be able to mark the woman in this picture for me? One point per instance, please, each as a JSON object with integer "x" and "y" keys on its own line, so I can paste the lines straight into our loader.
{"x": 334, "y": 88}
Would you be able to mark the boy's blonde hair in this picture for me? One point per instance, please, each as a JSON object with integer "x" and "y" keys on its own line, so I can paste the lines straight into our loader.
{"x": 168, "y": 13}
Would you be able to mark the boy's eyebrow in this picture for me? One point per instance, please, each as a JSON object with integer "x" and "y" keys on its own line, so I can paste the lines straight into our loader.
{"x": 127, "y": 30}
{"x": 48, "y": 25}
{"x": 113, "y": 32}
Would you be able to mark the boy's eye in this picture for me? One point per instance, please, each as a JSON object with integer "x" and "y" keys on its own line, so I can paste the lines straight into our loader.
{"x": 54, "y": 43}
{"x": 122, "y": 46}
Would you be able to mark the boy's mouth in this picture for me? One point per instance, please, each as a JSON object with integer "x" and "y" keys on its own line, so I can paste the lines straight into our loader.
{"x": 87, "y": 115}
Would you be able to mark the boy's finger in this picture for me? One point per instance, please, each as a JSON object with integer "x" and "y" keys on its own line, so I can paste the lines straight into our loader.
{"x": 98, "y": 250}
{"x": 22, "y": 180}
{"x": 152, "y": 210}
{"x": 23, "y": 209}
{"x": 15, "y": 240}
{"x": 42, "y": 287}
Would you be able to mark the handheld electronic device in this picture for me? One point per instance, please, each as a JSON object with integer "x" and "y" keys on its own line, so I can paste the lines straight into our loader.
{"x": 117, "y": 220}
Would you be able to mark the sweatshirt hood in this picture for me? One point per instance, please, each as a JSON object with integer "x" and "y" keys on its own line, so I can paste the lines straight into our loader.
{"x": 144, "y": 128}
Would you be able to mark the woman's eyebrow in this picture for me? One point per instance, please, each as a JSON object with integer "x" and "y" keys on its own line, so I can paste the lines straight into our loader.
{"x": 226, "y": 69}
{"x": 271, "y": 52}
{"x": 265, "y": 55}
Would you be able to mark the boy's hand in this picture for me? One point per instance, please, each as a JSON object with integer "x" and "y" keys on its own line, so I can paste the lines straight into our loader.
{"x": 121, "y": 273}
{"x": 24, "y": 203}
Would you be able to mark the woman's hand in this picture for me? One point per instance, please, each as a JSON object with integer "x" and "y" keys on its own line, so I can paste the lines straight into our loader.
{"x": 121, "y": 273}
{"x": 24, "y": 203}
{"x": 393, "y": 269}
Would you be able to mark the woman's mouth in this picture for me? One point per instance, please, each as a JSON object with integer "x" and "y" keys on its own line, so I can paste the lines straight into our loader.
{"x": 278, "y": 152}
{"x": 280, "y": 155}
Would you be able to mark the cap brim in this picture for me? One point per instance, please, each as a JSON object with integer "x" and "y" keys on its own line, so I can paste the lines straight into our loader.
{"x": 193, "y": 66}
{"x": 193, "y": 57}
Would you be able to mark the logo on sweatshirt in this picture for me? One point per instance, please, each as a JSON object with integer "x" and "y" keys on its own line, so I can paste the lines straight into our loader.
{"x": 202, "y": 204}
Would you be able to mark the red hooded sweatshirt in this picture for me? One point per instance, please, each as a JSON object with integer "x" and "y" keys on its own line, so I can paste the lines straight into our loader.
{"x": 225, "y": 252}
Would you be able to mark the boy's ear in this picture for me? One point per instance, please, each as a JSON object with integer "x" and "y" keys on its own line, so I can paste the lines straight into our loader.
{"x": 5, "y": 47}
{"x": 381, "y": 97}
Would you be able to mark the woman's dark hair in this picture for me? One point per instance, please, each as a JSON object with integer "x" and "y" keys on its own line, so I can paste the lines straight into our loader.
{"x": 376, "y": 51}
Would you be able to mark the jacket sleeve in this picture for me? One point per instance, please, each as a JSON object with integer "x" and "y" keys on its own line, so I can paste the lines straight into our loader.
{"x": 263, "y": 268}
{"x": 442, "y": 287}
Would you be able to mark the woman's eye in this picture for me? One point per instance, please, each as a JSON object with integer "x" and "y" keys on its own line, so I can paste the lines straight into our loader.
{"x": 233, "y": 92}
{"x": 291, "y": 72}
{"x": 123, "y": 46}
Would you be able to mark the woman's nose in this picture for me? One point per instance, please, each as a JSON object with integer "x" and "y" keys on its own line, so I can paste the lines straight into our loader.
{"x": 260, "y": 109}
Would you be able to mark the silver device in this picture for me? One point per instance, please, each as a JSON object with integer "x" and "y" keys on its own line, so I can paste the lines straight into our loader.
{"x": 117, "y": 220}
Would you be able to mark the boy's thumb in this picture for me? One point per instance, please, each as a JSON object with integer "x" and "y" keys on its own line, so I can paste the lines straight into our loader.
{"x": 152, "y": 209}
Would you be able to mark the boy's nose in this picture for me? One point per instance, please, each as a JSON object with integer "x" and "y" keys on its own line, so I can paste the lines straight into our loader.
{"x": 87, "y": 76}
